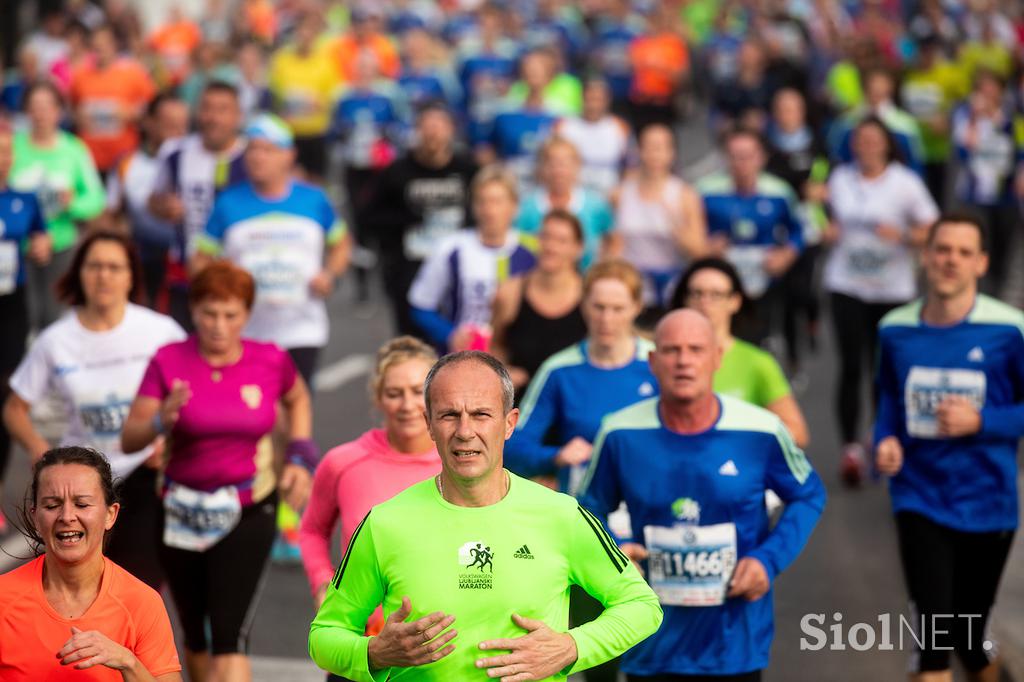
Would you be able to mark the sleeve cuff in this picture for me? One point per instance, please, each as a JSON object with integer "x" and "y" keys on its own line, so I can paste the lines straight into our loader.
{"x": 769, "y": 566}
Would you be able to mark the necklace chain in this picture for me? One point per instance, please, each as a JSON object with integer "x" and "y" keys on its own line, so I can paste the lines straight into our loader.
{"x": 440, "y": 485}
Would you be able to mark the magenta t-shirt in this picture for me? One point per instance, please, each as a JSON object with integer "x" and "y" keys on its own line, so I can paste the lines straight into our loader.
{"x": 223, "y": 433}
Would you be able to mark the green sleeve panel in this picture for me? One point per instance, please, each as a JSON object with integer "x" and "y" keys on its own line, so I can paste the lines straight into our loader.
{"x": 88, "y": 197}
{"x": 631, "y": 610}
{"x": 336, "y": 640}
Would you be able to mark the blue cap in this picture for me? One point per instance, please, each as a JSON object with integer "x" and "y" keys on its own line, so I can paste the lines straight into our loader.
{"x": 270, "y": 128}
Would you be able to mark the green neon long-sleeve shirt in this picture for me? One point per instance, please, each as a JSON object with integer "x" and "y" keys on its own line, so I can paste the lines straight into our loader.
{"x": 480, "y": 564}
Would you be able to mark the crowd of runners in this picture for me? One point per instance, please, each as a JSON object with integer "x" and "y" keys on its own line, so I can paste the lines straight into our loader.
{"x": 590, "y": 449}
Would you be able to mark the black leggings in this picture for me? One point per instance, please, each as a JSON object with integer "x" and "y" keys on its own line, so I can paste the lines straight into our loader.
{"x": 753, "y": 676}
{"x": 223, "y": 583}
{"x": 133, "y": 540}
{"x": 305, "y": 360}
{"x": 856, "y": 331}
{"x": 950, "y": 575}
{"x": 14, "y": 313}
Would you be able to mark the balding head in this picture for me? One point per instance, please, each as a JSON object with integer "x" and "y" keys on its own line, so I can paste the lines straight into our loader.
{"x": 685, "y": 356}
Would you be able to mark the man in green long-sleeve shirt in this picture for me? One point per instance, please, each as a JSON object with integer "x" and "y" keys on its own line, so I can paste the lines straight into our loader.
{"x": 473, "y": 567}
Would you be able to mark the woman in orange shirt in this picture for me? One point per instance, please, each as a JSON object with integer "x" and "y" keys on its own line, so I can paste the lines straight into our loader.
{"x": 72, "y": 609}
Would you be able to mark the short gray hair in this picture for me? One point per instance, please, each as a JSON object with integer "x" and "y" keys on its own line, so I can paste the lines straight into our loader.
{"x": 486, "y": 359}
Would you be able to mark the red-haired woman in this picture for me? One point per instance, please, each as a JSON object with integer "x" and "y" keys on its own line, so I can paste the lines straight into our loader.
{"x": 215, "y": 394}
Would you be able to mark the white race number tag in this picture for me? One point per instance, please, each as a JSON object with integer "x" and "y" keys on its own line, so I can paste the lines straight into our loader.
{"x": 8, "y": 266}
{"x": 927, "y": 387}
{"x": 195, "y": 520}
{"x": 691, "y": 565}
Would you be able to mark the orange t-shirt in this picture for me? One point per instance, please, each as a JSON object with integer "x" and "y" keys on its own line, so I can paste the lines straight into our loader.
{"x": 657, "y": 62}
{"x": 127, "y": 611}
{"x": 175, "y": 43}
{"x": 101, "y": 96}
{"x": 346, "y": 48}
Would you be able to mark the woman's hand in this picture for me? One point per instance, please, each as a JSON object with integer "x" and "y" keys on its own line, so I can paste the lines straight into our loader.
{"x": 170, "y": 409}
{"x": 88, "y": 649}
{"x": 294, "y": 485}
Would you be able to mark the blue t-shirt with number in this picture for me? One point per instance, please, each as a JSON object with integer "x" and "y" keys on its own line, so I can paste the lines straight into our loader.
{"x": 968, "y": 483}
{"x": 20, "y": 217}
{"x": 708, "y": 488}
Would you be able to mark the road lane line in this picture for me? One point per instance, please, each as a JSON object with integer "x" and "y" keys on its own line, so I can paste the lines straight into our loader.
{"x": 334, "y": 376}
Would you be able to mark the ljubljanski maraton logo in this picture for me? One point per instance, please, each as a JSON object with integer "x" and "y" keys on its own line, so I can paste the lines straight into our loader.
{"x": 477, "y": 562}
{"x": 686, "y": 509}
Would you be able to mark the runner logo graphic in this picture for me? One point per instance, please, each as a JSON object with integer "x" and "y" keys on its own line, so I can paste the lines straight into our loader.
{"x": 476, "y": 560}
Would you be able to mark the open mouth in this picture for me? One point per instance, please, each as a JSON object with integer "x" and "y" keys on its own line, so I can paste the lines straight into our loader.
{"x": 70, "y": 537}
{"x": 464, "y": 454}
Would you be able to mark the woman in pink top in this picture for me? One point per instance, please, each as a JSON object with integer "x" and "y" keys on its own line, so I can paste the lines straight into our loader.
{"x": 215, "y": 396}
{"x": 382, "y": 462}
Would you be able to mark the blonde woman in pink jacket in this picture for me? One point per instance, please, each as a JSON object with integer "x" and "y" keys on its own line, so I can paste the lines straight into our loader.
{"x": 382, "y": 462}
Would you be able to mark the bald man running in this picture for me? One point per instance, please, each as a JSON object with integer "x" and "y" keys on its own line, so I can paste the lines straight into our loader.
{"x": 692, "y": 467}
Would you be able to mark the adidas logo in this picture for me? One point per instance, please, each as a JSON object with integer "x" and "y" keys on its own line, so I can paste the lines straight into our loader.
{"x": 729, "y": 469}
{"x": 523, "y": 553}
{"x": 976, "y": 354}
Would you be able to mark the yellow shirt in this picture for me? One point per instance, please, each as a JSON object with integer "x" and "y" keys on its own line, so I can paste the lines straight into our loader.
{"x": 304, "y": 89}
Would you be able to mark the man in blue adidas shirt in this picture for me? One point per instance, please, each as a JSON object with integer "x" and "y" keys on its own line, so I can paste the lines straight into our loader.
{"x": 692, "y": 467}
{"x": 752, "y": 220}
{"x": 950, "y": 415}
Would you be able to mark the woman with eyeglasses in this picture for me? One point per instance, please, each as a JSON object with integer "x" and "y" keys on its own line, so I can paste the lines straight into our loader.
{"x": 712, "y": 286}
{"x": 94, "y": 358}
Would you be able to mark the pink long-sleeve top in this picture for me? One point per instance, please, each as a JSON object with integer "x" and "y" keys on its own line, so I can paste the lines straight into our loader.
{"x": 350, "y": 480}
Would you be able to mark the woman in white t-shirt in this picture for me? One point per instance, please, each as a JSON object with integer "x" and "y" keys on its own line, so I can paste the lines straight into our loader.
{"x": 659, "y": 219}
{"x": 93, "y": 359}
{"x": 882, "y": 211}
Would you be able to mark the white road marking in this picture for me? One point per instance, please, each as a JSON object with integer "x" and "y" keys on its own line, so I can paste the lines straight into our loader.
{"x": 334, "y": 376}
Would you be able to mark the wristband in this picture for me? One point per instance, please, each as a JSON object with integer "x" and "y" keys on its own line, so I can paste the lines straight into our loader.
{"x": 158, "y": 423}
{"x": 304, "y": 452}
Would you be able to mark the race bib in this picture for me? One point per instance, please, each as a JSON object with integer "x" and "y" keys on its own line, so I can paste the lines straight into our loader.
{"x": 8, "y": 266}
{"x": 927, "y": 387}
{"x": 104, "y": 116}
{"x": 195, "y": 520}
{"x": 691, "y": 565}
{"x": 749, "y": 263}
{"x": 299, "y": 102}
{"x": 420, "y": 241}
{"x": 280, "y": 276}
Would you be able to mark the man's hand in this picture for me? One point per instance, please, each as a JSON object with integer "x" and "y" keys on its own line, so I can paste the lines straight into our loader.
{"x": 778, "y": 260}
{"x": 749, "y": 580}
{"x": 889, "y": 233}
{"x": 576, "y": 451}
{"x": 295, "y": 485}
{"x": 636, "y": 553}
{"x": 322, "y": 284}
{"x": 40, "y": 248}
{"x": 87, "y": 649}
{"x": 404, "y": 645}
{"x": 889, "y": 456}
{"x": 537, "y": 655}
{"x": 957, "y": 417}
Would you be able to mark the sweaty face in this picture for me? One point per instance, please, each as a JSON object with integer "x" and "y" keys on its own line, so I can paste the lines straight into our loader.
{"x": 467, "y": 420}
{"x": 609, "y": 310}
{"x": 954, "y": 261}
{"x": 219, "y": 118}
{"x": 70, "y": 512}
{"x": 266, "y": 162}
{"x": 106, "y": 274}
{"x": 401, "y": 399}
{"x": 685, "y": 357}
{"x": 219, "y": 323}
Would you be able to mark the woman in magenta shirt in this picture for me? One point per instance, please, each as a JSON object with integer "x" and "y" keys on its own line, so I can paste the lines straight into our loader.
{"x": 215, "y": 396}
{"x": 382, "y": 462}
